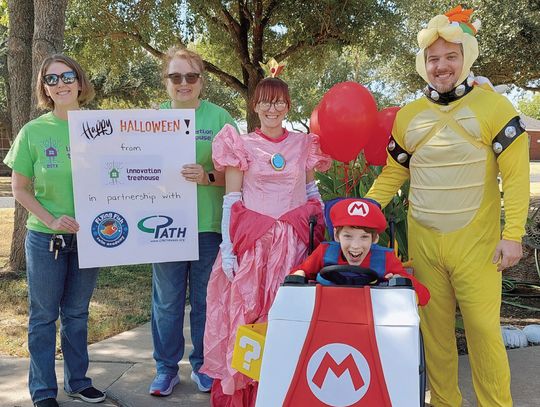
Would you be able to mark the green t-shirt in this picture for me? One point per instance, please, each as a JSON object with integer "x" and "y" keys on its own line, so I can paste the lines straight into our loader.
{"x": 209, "y": 120}
{"x": 41, "y": 152}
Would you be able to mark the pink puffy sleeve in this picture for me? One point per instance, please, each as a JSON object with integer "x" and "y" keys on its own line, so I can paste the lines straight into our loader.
{"x": 316, "y": 158}
{"x": 228, "y": 150}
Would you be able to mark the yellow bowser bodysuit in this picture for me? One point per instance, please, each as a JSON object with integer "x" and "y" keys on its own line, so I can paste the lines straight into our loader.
{"x": 453, "y": 148}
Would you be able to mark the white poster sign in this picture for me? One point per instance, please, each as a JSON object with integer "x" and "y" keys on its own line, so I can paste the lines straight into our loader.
{"x": 131, "y": 202}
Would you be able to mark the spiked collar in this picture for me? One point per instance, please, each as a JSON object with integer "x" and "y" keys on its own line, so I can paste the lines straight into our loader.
{"x": 446, "y": 98}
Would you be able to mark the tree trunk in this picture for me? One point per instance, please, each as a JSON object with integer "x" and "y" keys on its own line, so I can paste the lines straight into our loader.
{"x": 36, "y": 30}
{"x": 19, "y": 61}
{"x": 251, "y": 116}
{"x": 49, "y": 24}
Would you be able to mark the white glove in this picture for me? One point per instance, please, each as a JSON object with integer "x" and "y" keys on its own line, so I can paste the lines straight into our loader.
{"x": 312, "y": 191}
{"x": 513, "y": 337}
{"x": 532, "y": 332}
{"x": 229, "y": 264}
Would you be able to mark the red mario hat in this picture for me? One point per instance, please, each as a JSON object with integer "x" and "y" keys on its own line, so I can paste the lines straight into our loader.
{"x": 357, "y": 212}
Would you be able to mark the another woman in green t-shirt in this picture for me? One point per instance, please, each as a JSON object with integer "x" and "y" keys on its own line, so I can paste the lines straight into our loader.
{"x": 183, "y": 76}
{"x": 41, "y": 182}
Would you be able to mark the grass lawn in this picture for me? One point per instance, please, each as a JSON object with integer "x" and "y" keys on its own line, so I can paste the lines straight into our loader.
{"x": 121, "y": 300}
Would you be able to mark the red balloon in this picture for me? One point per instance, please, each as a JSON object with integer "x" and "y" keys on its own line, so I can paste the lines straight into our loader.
{"x": 314, "y": 126}
{"x": 347, "y": 117}
{"x": 375, "y": 150}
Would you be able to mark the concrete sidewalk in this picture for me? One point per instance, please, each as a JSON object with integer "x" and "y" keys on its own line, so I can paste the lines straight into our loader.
{"x": 123, "y": 366}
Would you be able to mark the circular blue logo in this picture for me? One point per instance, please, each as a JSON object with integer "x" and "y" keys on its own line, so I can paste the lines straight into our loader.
{"x": 109, "y": 229}
{"x": 277, "y": 161}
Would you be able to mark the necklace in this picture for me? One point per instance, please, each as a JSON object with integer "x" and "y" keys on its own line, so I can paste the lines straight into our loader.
{"x": 277, "y": 161}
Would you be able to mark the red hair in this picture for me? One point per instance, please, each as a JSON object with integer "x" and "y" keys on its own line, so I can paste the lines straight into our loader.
{"x": 271, "y": 90}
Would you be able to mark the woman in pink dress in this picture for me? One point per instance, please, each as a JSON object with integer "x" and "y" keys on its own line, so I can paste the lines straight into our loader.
{"x": 270, "y": 196}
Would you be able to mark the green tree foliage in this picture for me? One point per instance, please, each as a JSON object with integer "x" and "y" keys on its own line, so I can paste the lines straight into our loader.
{"x": 530, "y": 107}
{"x": 509, "y": 41}
{"x": 112, "y": 37}
{"x": 233, "y": 36}
{"x": 310, "y": 78}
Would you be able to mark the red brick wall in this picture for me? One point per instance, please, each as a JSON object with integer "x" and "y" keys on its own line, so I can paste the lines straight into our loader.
{"x": 4, "y": 148}
{"x": 534, "y": 146}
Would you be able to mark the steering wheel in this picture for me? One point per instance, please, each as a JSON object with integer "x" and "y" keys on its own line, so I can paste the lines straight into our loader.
{"x": 346, "y": 274}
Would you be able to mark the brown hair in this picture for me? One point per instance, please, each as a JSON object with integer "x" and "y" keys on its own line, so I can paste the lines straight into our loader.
{"x": 371, "y": 231}
{"x": 270, "y": 90}
{"x": 192, "y": 57}
{"x": 86, "y": 92}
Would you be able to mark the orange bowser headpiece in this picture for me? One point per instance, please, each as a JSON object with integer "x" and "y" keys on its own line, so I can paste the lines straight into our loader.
{"x": 358, "y": 212}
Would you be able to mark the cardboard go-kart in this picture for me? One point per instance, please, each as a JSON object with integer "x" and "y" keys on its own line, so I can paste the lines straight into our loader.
{"x": 339, "y": 345}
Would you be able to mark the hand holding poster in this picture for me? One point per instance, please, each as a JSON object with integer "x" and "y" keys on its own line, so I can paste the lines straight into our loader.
{"x": 131, "y": 202}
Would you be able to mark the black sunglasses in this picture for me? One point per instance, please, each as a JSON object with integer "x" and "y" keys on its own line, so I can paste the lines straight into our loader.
{"x": 177, "y": 78}
{"x": 67, "y": 77}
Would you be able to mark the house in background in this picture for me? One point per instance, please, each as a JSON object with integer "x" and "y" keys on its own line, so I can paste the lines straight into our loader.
{"x": 533, "y": 129}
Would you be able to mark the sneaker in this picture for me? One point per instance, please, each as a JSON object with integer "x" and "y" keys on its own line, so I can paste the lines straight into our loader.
{"x": 204, "y": 382}
{"x": 46, "y": 403}
{"x": 163, "y": 384}
{"x": 90, "y": 395}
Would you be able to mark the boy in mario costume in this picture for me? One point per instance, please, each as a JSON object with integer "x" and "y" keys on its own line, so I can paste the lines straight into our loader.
{"x": 452, "y": 144}
{"x": 357, "y": 224}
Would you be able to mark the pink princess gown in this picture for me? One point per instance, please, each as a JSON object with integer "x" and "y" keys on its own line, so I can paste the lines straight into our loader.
{"x": 270, "y": 234}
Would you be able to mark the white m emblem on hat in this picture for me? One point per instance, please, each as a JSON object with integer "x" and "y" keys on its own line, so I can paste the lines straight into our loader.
{"x": 358, "y": 208}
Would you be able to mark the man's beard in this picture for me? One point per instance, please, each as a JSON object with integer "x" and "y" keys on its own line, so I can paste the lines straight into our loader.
{"x": 445, "y": 88}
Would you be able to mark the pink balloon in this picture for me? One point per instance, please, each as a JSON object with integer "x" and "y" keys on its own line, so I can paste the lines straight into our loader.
{"x": 347, "y": 118}
{"x": 375, "y": 150}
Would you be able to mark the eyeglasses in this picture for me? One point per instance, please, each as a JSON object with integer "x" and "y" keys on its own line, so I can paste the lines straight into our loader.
{"x": 177, "y": 78}
{"x": 67, "y": 77}
{"x": 280, "y": 105}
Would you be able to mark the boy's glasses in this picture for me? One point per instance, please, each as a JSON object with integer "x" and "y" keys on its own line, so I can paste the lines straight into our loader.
{"x": 280, "y": 105}
{"x": 67, "y": 77}
{"x": 177, "y": 78}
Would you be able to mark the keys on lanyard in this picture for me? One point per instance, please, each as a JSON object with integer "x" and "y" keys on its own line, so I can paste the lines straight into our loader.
{"x": 55, "y": 244}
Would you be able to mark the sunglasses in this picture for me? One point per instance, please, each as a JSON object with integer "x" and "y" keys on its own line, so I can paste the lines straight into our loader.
{"x": 280, "y": 105}
{"x": 177, "y": 78}
{"x": 67, "y": 77}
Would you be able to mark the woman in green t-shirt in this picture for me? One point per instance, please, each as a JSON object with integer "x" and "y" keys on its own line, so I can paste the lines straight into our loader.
{"x": 41, "y": 182}
{"x": 183, "y": 76}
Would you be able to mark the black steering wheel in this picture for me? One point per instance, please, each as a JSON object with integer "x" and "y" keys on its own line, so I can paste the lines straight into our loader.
{"x": 346, "y": 274}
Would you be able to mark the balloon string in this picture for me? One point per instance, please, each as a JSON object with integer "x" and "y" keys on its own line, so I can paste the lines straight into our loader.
{"x": 366, "y": 166}
{"x": 356, "y": 179}
{"x": 346, "y": 179}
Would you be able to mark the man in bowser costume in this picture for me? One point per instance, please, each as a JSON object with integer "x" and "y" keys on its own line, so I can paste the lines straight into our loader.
{"x": 452, "y": 144}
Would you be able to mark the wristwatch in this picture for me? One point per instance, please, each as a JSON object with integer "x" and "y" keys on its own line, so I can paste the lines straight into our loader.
{"x": 211, "y": 178}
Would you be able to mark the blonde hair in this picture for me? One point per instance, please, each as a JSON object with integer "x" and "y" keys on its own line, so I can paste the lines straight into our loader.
{"x": 86, "y": 92}
{"x": 192, "y": 57}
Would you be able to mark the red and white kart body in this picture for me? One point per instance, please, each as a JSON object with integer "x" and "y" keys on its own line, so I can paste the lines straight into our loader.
{"x": 342, "y": 346}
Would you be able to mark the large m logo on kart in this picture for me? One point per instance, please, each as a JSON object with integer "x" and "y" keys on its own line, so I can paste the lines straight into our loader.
{"x": 338, "y": 374}
{"x": 329, "y": 364}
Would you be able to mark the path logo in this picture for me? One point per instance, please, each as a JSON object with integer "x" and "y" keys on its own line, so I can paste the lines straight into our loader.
{"x": 338, "y": 375}
{"x": 109, "y": 229}
{"x": 358, "y": 208}
{"x": 160, "y": 227}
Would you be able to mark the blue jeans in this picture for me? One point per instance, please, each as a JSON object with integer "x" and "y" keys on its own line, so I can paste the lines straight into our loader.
{"x": 169, "y": 285}
{"x": 57, "y": 288}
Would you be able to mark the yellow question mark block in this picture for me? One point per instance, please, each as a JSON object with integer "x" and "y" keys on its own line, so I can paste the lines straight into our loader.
{"x": 248, "y": 349}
